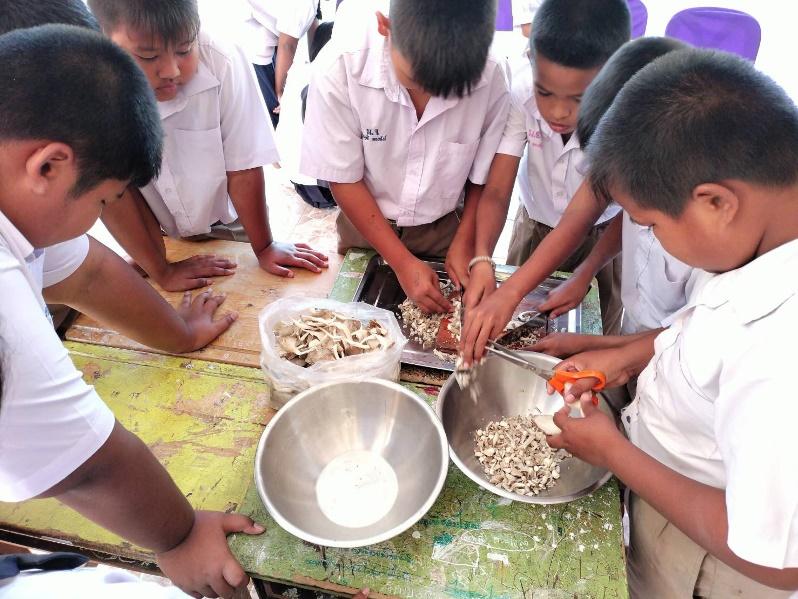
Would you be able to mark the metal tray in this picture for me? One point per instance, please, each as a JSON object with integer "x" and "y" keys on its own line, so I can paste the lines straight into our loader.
{"x": 380, "y": 287}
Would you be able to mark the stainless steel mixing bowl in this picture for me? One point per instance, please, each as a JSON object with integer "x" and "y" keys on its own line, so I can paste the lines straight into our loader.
{"x": 506, "y": 390}
{"x": 332, "y": 420}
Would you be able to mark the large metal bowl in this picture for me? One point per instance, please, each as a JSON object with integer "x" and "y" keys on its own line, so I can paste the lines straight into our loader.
{"x": 507, "y": 390}
{"x": 326, "y": 424}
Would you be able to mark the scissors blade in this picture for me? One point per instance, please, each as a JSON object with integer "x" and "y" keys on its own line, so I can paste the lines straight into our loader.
{"x": 519, "y": 360}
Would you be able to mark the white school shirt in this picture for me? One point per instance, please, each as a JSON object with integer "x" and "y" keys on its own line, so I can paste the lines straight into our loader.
{"x": 51, "y": 422}
{"x": 360, "y": 124}
{"x": 524, "y": 11}
{"x": 550, "y": 172}
{"x": 265, "y": 20}
{"x": 717, "y": 401}
{"x": 654, "y": 284}
{"x": 217, "y": 123}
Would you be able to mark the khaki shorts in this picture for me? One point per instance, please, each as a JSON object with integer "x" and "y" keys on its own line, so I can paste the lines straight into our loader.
{"x": 663, "y": 563}
{"x": 431, "y": 240}
{"x": 527, "y": 236}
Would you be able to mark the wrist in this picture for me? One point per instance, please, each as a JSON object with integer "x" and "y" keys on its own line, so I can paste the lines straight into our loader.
{"x": 180, "y": 536}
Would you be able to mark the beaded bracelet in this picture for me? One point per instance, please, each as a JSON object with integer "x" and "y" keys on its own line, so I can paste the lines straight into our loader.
{"x": 476, "y": 260}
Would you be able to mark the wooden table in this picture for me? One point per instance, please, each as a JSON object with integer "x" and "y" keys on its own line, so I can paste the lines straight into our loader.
{"x": 203, "y": 417}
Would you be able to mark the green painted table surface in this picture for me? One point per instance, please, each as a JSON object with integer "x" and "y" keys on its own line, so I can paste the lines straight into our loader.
{"x": 203, "y": 421}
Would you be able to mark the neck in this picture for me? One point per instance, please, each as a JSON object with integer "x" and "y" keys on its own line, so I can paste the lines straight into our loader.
{"x": 782, "y": 219}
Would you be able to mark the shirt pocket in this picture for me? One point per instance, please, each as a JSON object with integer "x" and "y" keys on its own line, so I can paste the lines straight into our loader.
{"x": 197, "y": 159}
{"x": 452, "y": 167}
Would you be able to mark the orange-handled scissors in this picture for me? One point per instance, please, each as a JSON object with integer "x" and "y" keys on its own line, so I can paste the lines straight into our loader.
{"x": 556, "y": 378}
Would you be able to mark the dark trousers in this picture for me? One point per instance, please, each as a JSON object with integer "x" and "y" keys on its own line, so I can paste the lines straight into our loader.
{"x": 265, "y": 73}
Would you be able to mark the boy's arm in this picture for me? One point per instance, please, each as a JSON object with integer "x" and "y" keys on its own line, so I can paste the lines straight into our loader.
{"x": 134, "y": 226}
{"x": 123, "y": 488}
{"x": 418, "y": 280}
{"x": 570, "y": 293}
{"x": 247, "y": 191}
{"x": 704, "y": 518}
{"x": 489, "y": 318}
{"x": 107, "y": 289}
{"x": 286, "y": 52}
{"x": 461, "y": 251}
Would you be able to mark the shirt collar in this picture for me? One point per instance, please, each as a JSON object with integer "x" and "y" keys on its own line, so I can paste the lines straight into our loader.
{"x": 202, "y": 81}
{"x": 756, "y": 289}
{"x": 15, "y": 240}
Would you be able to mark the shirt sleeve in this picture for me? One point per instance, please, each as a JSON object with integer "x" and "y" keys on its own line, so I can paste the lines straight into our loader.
{"x": 51, "y": 422}
{"x": 493, "y": 130}
{"x": 332, "y": 148}
{"x": 296, "y": 17}
{"x": 514, "y": 139}
{"x": 247, "y": 134}
{"x": 63, "y": 259}
{"x": 755, "y": 416}
{"x": 524, "y": 11}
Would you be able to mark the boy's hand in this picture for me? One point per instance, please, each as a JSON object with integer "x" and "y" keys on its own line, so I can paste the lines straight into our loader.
{"x": 485, "y": 322}
{"x": 276, "y": 256}
{"x": 202, "y": 565}
{"x": 591, "y": 439}
{"x": 482, "y": 283}
{"x": 613, "y": 362}
{"x": 564, "y": 345}
{"x": 198, "y": 316}
{"x": 422, "y": 286}
{"x": 566, "y": 296}
{"x": 457, "y": 258}
{"x": 194, "y": 272}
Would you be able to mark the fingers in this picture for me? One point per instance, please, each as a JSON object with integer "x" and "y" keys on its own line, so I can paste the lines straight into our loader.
{"x": 278, "y": 270}
{"x": 453, "y": 276}
{"x": 578, "y": 389}
{"x": 234, "y": 574}
{"x": 362, "y": 594}
{"x": 319, "y": 255}
{"x": 185, "y": 303}
{"x": 304, "y": 260}
{"x": 239, "y": 523}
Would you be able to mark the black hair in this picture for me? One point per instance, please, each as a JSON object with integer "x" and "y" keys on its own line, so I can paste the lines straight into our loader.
{"x": 580, "y": 34}
{"x": 21, "y": 14}
{"x": 445, "y": 42}
{"x": 692, "y": 117}
{"x": 174, "y": 21}
{"x": 623, "y": 65}
{"x": 71, "y": 85}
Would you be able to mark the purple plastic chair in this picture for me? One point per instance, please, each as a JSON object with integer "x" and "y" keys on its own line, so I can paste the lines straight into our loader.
{"x": 717, "y": 28}
{"x": 639, "y": 14}
{"x": 504, "y": 16}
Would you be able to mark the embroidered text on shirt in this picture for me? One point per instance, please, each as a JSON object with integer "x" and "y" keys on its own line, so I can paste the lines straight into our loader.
{"x": 373, "y": 135}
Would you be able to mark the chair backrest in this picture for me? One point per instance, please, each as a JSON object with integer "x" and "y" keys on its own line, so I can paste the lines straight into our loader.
{"x": 639, "y": 14}
{"x": 718, "y": 28}
{"x": 504, "y": 15}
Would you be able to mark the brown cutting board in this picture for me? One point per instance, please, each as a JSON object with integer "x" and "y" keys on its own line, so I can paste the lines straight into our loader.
{"x": 248, "y": 291}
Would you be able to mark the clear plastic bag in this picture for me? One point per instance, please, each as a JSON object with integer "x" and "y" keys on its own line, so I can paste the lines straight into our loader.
{"x": 287, "y": 379}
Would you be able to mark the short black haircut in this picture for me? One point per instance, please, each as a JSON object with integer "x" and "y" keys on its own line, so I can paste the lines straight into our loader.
{"x": 621, "y": 67}
{"x": 693, "y": 117}
{"x": 446, "y": 42}
{"x": 580, "y": 34}
{"x": 174, "y": 21}
{"x": 21, "y": 14}
{"x": 74, "y": 86}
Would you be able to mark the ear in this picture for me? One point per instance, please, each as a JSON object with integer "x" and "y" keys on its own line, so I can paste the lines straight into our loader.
{"x": 718, "y": 204}
{"x": 49, "y": 166}
{"x": 383, "y": 24}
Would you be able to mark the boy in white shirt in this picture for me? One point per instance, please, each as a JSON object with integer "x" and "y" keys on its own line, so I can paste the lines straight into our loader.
{"x": 217, "y": 141}
{"x": 712, "y": 451}
{"x": 61, "y": 164}
{"x": 571, "y": 40}
{"x": 523, "y": 14}
{"x": 404, "y": 115}
{"x": 274, "y": 28}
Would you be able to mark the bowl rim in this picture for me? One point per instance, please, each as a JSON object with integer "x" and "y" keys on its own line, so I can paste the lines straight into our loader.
{"x": 535, "y": 499}
{"x": 285, "y": 524}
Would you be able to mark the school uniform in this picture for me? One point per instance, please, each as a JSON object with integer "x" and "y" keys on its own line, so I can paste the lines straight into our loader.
{"x": 265, "y": 21}
{"x": 524, "y": 11}
{"x": 361, "y": 125}
{"x": 714, "y": 405}
{"x": 550, "y": 173}
{"x": 51, "y": 422}
{"x": 216, "y": 124}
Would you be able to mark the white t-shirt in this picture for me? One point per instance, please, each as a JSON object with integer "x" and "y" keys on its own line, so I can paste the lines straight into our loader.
{"x": 217, "y": 123}
{"x": 361, "y": 125}
{"x": 524, "y": 11}
{"x": 51, "y": 422}
{"x": 717, "y": 401}
{"x": 551, "y": 171}
{"x": 654, "y": 284}
{"x": 267, "y": 19}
